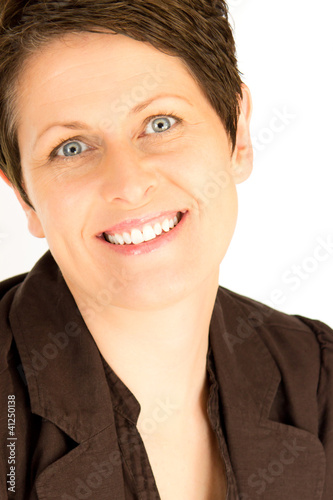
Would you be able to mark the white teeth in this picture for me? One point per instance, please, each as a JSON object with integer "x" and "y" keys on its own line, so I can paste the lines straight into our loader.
{"x": 158, "y": 229}
{"x": 127, "y": 238}
{"x": 148, "y": 232}
{"x": 112, "y": 239}
{"x": 165, "y": 226}
{"x": 136, "y": 236}
{"x": 119, "y": 239}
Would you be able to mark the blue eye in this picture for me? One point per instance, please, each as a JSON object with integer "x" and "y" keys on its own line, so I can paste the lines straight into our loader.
{"x": 72, "y": 148}
{"x": 160, "y": 124}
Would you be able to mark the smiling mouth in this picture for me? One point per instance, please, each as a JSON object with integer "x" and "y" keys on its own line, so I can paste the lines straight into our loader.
{"x": 147, "y": 233}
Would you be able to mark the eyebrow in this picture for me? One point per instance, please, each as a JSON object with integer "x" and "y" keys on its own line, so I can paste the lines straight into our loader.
{"x": 137, "y": 109}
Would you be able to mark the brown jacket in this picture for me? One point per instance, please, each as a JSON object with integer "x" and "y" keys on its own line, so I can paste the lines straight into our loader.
{"x": 274, "y": 372}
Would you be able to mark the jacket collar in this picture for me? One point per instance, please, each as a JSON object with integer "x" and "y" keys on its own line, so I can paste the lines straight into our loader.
{"x": 67, "y": 385}
{"x": 61, "y": 362}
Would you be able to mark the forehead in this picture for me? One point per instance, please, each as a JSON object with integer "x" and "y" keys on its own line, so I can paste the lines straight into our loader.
{"x": 90, "y": 65}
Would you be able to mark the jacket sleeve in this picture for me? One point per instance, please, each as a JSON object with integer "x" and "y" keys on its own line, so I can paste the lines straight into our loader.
{"x": 6, "y": 390}
{"x": 15, "y": 416}
{"x": 324, "y": 335}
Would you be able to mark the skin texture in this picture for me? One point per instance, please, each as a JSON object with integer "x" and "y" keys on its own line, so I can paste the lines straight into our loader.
{"x": 149, "y": 314}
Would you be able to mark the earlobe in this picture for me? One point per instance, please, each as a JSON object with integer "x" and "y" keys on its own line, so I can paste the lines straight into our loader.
{"x": 34, "y": 224}
{"x": 3, "y": 177}
{"x": 242, "y": 158}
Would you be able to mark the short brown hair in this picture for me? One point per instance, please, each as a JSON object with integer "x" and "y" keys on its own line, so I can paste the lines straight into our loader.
{"x": 196, "y": 31}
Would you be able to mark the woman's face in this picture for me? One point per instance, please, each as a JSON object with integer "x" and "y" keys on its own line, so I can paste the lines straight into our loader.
{"x": 122, "y": 163}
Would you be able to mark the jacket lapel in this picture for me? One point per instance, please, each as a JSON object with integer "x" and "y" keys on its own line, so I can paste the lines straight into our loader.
{"x": 92, "y": 470}
{"x": 67, "y": 386}
{"x": 271, "y": 460}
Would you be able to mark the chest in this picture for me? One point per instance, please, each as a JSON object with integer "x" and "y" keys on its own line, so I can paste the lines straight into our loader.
{"x": 188, "y": 468}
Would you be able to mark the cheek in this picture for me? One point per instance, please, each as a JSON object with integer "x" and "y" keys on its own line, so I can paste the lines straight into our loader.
{"x": 217, "y": 197}
{"x": 60, "y": 209}
{"x": 221, "y": 211}
{"x": 201, "y": 167}
{"x": 214, "y": 185}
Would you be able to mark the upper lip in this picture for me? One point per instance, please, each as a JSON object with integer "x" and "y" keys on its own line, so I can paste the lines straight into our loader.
{"x": 130, "y": 224}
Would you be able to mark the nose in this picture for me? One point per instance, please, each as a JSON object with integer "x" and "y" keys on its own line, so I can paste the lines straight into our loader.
{"x": 127, "y": 177}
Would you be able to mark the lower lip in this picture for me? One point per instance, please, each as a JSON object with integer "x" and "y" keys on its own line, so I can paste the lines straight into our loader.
{"x": 148, "y": 246}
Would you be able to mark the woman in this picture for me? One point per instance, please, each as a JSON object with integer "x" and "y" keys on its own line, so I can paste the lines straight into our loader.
{"x": 128, "y": 373}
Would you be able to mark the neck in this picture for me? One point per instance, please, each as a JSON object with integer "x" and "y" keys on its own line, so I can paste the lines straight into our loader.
{"x": 160, "y": 355}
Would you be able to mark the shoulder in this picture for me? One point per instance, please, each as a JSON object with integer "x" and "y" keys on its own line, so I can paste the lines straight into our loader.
{"x": 274, "y": 326}
{"x": 8, "y": 289}
{"x": 301, "y": 347}
{"x": 10, "y": 283}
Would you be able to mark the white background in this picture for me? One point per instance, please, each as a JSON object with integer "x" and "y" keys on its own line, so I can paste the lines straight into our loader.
{"x": 286, "y": 206}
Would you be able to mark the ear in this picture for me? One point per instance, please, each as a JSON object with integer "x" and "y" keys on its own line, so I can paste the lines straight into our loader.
{"x": 34, "y": 224}
{"x": 242, "y": 158}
